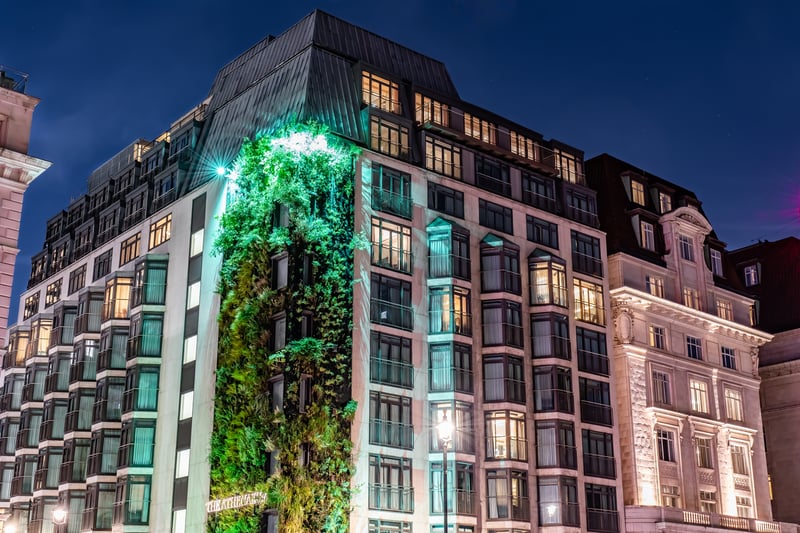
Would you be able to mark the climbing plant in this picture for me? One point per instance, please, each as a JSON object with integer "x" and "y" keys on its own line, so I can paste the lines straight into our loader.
{"x": 289, "y": 192}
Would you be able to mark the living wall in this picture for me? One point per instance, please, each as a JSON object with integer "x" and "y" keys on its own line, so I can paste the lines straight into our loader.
{"x": 291, "y": 192}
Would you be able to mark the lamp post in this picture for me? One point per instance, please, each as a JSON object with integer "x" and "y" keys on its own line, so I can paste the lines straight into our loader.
{"x": 445, "y": 430}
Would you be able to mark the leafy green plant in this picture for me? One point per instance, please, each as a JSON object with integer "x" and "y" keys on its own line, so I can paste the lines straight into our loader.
{"x": 309, "y": 172}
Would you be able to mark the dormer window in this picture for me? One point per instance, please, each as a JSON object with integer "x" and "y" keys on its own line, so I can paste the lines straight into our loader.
{"x": 380, "y": 92}
{"x": 664, "y": 202}
{"x": 716, "y": 262}
{"x": 637, "y": 192}
{"x": 480, "y": 129}
{"x": 752, "y": 275}
{"x": 647, "y": 235}
{"x": 686, "y": 245}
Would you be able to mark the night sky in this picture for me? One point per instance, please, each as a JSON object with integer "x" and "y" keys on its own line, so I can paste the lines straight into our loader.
{"x": 702, "y": 93}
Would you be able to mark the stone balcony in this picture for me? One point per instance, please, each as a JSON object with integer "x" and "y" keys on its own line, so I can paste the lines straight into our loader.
{"x": 675, "y": 520}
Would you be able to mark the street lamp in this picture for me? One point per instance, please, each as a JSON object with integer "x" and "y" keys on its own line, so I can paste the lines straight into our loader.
{"x": 10, "y": 527}
{"x": 59, "y": 515}
{"x": 445, "y": 430}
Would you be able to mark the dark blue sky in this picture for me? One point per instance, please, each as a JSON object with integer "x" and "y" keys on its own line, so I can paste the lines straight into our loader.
{"x": 702, "y": 93}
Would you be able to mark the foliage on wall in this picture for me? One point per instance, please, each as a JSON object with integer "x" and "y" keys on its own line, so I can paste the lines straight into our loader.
{"x": 290, "y": 193}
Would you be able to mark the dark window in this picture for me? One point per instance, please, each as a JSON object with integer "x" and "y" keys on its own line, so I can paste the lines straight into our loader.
{"x": 103, "y": 452}
{"x": 390, "y": 360}
{"x": 539, "y": 192}
{"x": 102, "y": 265}
{"x": 145, "y": 335}
{"x": 445, "y": 200}
{"x": 48, "y": 469}
{"x": 391, "y": 191}
{"x": 499, "y": 266}
{"x": 592, "y": 356}
{"x": 595, "y": 402}
{"x": 73, "y": 466}
{"x": 586, "y": 254}
{"x": 502, "y": 323}
{"x": 390, "y": 302}
{"x": 137, "y": 443}
{"x": 390, "y": 420}
{"x": 542, "y": 232}
{"x": 149, "y": 283}
{"x": 79, "y": 410}
{"x": 552, "y": 389}
{"x": 495, "y": 216}
{"x": 582, "y": 208}
{"x": 492, "y": 175}
{"x": 141, "y": 389}
{"x": 108, "y": 400}
{"x": 550, "y": 336}
{"x": 503, "y": 379}
{"x": 601, "y": 508}
{"x": 598, "y": 454}
{"x": 77, "y": 279}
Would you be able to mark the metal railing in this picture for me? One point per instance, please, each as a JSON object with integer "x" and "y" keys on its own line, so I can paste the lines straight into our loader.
{"x": 602, "y": 520}
{"x": 596, "y": 363}
{"x": 391, "y": 498}
{"x": 391, "y": 202}
{"x": 390, "y": 314}
{"x": 599, "y": 465}
{"x": 391, "y": 372}
{"x": 515, "y": 508}
{"x": 596, "y": 413}
{"x": 386, "y": 433}
{"x": 13, "y": 80}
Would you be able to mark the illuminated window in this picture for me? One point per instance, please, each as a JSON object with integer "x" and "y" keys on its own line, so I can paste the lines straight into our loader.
{"x": 391, "y": 245}
{"x": 728, "y": 357}
{"x": 708, "y": 501}
{"x": 664, "y": 202}
{"x": 505, "y": 436}
{"x": 53, "y": 293}
{"x": 657, "y": 337}
{"x": 716, "y": 262}
{"x": 654, "y": 285}
{"x": 739, "y": 459}
{"x": 388, "y": 137}
{"x": 686, "y": 245}
{"x": 185, "y": 408}
{"x": 548, "y": 280}
{"x": 670, "y": 496}
{"x": 703, "y": 451}
{"x": 380, "y": 92}
{"x": 129, "y": 249}
{"x": 733, "y": 405}
{"x": 691, "y": 298}
{"x": 648, "y": 237}
{"x": 589, "y": 302}
{"x": 193, "y": 295}
{"x": 662, "y": 392}
{"x": 182, "y": 463}
{"x": 189, "y": 349}
{"x": 160, "y": 231}
{"x": 637, "y": 192}
{"x": 449, "y": 310}
{"x": 744, "y": 507}
{"x": 480, "y": 129}
{"x": 752, "y": 275}
{"x": 666, "y": 445}
{"x": 116, "y": 298}
{"x": 558, "y": 502}
{"x": 570, "y": 167}
{"x": 31, "y": 306}
{"x": 699, "y": 395}
{"x": 524, "y": 147}
{"x": 430, "y": 110}
{"x": 725, "y": 309}
{"x": 694, "y": 348}
{"x": 442, "y": 157}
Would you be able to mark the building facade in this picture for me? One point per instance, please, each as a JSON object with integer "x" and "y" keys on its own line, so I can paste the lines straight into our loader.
{"x": 686, "y": 361}
{"x": 17, "y": 171}
{"x": 770, "y": 271}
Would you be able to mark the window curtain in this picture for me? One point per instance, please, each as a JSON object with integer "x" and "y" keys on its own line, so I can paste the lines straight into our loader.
{"x": 546, "y": 447}
{"x": 542, "y": 338}
{"x": 493, "y": 381}
{"x": 441, "y": 367}
{"x": 492, "y": 326}
{"x": 143, "y": 439}
{"x": 154, "y": 289}
{"x": 439, "y": 249}
{"x": 147, "y": 398}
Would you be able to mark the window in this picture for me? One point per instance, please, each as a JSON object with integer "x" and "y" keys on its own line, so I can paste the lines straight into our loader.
{"x": 601, "y": 508}
{"x": 480, "y": 129}
{"x": 102, "y": 265}
{"x": 547, "y": 279}
{"x": 507, "y": 495}
{"x": 598, "y": 454}
{"x": 132, "y": 505}
{"x": 391, "y": 191}
{"x": 539, "y": 192}
{"x": 149, "y": 283}
{"x": 637, "y": 192}
{"x": 388, "y": 526}
{"x": 278, "y": 338}
{"x": 160, "y": 231}
{"x": 77, "y": 279}
{"x": 589, "y": 305}
{"x": 708, "y": 501}
{"x": 186, "y": 405}
{"x": 449, "y": 310}
{"x": 592, "y": 355}
{"x": 196, "y": 243}
{"x": 460, "y": 413}
{"x": 279, "y": 270}
{"x": 53, "y": 293}
{"x": 523, "y": 146}
{"x": 586, "y": 254}
{"x": 725, "y": 309}
{"x": 495, "y": 216}
{"x": 648, "y": 236}
{"x": 116, "y": 298}
{"x": 666, "y": 445}
{"x": 388, "y": 137}
{"x": 670, "y": 496}
{"x": 728, "y": 357}
{"x": 555, "y": 444}
{"x": 499, "y": 266}
{"x": 505, "y": 436}
{"x": 542, "y": 232}
{"x": 390, "y": 302}
{"x": 448, "y": 248}
{"x": 492, "y": 175}
{"x": 558, "y": 501}
{"x": 108, "y": 225}
{"x": 752, "y": 275}
{"x": 391, "y": 245}
{"x": 502, "y": 323}
{"x": 58, "y": 257}
{"x": 390, "y": 420}
{"x": 664, "y": 202}
{"x": 691, "y": 298}
{"x": 390, "y": 484}
{"x": 430, "y": 110}
{"x": 390, "y": 360}
{"x": 460, "y": 488}
{"x": 582, "y": 208}
{"x": 698, "y": 395}
{"x": 129, "y": 249}
{"x": 657, "y": 337}
{"x": 445, "y": 200}
{"x": 108, "y": 400}
{"x": 654, "y": 285}
{"x": 744, "y": 507}
{"x": 716, "y": 262}
{"x": 442, "y": 157}
{"x": 31, "y": 306}
{"x": 703, "y": 452}
{"x": 450, "y": 367}
{"x": 137, "y": 443}
{"x": 686, "y": 245}
{"x": 570, "y": 166}
{"x": 694, "y": 348}
{"x": 595, "y": 402}
{"x": 145, "y": 335}
{"x": 739, "y": 455}
{"x": 380, "y": 92}
{"x": 733, "y": 405}
{"x": 503, "y": 380}
{"x": 552, "y": 389}
{"x": 103, "y": 452}
{"x": 550, "y": 335}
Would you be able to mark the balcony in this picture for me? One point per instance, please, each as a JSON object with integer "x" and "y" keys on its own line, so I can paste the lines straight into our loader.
{"x": 546, "y": 400}
{"x": 451, "y": 378}
{"x": 599, "y": 465}
{"x": 602, "y": 520}
{"x": 493, "y": 184}
{"x": 555, "y": 513}
{"x": 448, "y": 266}
{"x": 671, "y": 515}
{"x": 390, "y": 314}
{"x": 459, "y": 502}
{"x": 551, "y": 346}
{"x": 503, "y": 389}
{"x": 391, "y": 202}
{"x": 386, "y": 433}
{"x": 545, "y": 203}
{"x": 505, "y": 507}
{"x": 390, "y": 372}
{"x": 391, "y": 257}
{"x": 583, "y": 216}
{"x": 391, "y": 498}
{"x": 12, "y": 79}
{"x": 596, "y": 413}
{"x": 596, "y": 363}
{"x": 501, "y": 280}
